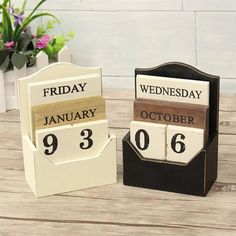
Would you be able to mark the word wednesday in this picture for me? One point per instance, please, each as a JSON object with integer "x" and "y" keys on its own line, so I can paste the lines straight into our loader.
{"x": 172, "y": 89}
{"x": 177, "y": 92}
{"x": 71, "y": 116}
{"x": 65, "y": 89}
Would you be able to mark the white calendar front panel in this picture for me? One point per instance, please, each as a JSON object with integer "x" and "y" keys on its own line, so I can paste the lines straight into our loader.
{"x": 90, "y": 138}
{"x": 149, "y": 139}
{"x": 56, "y": 144}
{"x": 183, "y": 143}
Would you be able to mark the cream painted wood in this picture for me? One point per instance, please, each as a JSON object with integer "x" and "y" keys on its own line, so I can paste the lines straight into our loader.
{"x": 178, "y": 90}
{"x": 183, "y": 143}
{"x": 56, "y": 144}
{"x": 216, "y": 38}
{"x": 149, "y": 139}
{"x": 63, "y": 89}
{"x": 64, "y": 55}
{"x": 90, "y": 138}
{"x": 2, "y": 93}
{"x": 45, "y": 178}
{"x": 114, "y": 5}
{"x": 49, "y": 73}
{"x": 139, "y": 38}
{"x": 209, "y": 5}
{"x": 61, "y": 171}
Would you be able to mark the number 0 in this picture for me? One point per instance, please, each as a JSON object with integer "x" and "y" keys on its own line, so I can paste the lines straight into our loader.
{"x": 145, "y": 137}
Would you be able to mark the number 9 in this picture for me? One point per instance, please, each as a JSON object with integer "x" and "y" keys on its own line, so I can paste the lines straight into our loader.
{"x": 53, "y": 144}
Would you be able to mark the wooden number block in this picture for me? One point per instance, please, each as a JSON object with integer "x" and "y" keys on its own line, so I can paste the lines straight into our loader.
{"x": 149, "y": 139}
{"x": 56, "y": 144}
{"x": 172, "y": 89}
{"x": 183, "y": 143}
{"x": 67, "y": 112}
{"x": 172, "y": 113}
{"x": 90, "y": 138}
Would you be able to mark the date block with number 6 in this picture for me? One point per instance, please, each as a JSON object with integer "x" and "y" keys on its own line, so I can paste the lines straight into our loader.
{"x": 90, "y": 138}
{"x": 183, "y": 143}
{"x": 149, "y": 139}
{"x": 56, "y": 144}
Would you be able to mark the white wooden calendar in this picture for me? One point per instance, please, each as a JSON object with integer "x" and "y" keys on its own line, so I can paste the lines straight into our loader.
{"x": 66, "y": 142}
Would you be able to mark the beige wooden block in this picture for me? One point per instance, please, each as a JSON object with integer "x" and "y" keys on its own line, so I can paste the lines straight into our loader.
{"x": 67, "y": 112}
{"x": 56, "y": 144}
{"x": 90, "y": 138}
{"x": 149, "y": 139}
{"x": 183, "y": 143}
{"x": 172, "y": 89}
{"x": 64, "y": 89}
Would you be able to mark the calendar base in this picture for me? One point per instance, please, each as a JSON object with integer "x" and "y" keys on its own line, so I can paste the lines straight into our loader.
{"x": 195, "y": 178}
{"x": 46, "y": 178}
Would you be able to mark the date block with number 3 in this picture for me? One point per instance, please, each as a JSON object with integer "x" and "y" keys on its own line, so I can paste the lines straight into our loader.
{"x": 90, "y": 138}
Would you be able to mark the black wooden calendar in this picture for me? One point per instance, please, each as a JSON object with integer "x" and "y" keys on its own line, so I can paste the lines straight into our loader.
{"x": 173, "y": 140}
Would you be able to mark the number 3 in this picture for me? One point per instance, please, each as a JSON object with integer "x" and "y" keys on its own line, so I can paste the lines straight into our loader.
{"x": 88, "y": 138}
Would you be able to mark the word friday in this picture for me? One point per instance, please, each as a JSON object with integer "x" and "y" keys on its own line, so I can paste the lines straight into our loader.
{"x": 65, "y": 89}
{"x": 71, "y": 116}
{"x": 177, "y": 92}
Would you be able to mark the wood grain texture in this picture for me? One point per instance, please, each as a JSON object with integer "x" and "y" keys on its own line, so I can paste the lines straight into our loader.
{"x": 178, "y": 114}
{"x": 116, "y": 209}
{"x": 68, "y": 112}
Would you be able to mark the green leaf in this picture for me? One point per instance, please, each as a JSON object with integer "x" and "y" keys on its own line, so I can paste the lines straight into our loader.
{"x": 5, "y": 64}
{"x": 48, "y": 50}
{"x": 3, "y": 55}
{"x": 24, "y": 5}
{"x": 27, "y": 22}
{"x": 7, "y": 27}
{"x": 35, "y": 9}
{"x": 23, "y": 42}
{"x": 18, "y": 60}
{"x": 60, "y": 40}
{"x": 5, "y": 3}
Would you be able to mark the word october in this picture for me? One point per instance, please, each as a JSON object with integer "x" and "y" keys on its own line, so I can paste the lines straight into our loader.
{"x": 172, "y": 90}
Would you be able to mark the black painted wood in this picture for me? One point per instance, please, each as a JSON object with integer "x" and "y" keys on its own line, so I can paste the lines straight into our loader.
{"x": 198, "y": 176}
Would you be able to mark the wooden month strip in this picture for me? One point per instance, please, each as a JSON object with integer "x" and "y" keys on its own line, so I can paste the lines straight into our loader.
{"x": 68, "y": 112}
{"x": 172, "y": 89}
{"x": 172, "y": 113}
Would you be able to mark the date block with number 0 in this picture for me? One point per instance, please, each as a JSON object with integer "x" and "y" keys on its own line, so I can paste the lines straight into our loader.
{"x": 145, "y": 135}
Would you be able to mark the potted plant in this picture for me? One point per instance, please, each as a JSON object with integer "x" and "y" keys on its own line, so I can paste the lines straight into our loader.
{"x": 23, "y": 52}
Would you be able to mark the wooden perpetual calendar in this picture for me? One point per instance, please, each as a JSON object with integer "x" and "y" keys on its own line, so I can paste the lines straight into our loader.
{"x": 66, "y": 143}
{"x": 173, "y": 140}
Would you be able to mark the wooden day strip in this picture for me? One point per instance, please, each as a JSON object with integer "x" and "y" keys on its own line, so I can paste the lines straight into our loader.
{"x": 67, "y": 112}
{"x": 172, "y": 89}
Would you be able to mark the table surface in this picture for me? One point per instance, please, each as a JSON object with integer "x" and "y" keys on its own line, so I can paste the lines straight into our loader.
{"x": 117, "y": 209}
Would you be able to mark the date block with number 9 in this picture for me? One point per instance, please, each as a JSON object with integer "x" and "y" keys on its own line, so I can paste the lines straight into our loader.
{"x": 149, "y": 139}
{"x": 183, "y": 143}
{"x": 90, "y": 138}
{"x": 56, "y": 144}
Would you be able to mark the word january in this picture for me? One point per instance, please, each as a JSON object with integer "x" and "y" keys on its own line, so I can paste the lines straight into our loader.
{"x": 177, "y": 92}
{"x": 72, "y": 116}
{"x": 65, "y": 89}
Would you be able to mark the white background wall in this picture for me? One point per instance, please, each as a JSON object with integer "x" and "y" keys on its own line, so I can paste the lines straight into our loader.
{"x": 119, "y": 35}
